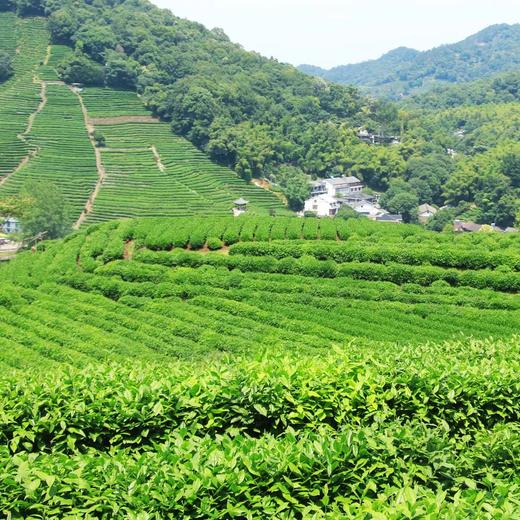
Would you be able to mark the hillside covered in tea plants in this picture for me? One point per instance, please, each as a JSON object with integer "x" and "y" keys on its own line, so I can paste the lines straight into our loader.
{"x": 100, "y": 146}
{"x": 261, "y": 368}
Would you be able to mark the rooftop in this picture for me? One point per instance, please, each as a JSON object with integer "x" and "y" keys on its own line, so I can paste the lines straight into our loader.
{"x": 336, "y": 181}
{"x": 390, "y": 218}
{"x": 423, "y": 208}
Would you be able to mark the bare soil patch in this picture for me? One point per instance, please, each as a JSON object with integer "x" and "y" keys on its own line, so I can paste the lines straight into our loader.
{"x": 120, "y": 120}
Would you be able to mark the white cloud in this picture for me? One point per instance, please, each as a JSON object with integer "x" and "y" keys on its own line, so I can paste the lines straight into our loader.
{"x": 333, "y": 32}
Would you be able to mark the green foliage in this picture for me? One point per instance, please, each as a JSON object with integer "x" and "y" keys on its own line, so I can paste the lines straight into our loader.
{"x": 295, "y": 186}
{"x": 100, "y": 139}
{"x": 400, "y": 199}
{"x": 48, "y": 212}
{"x": 347, "y": 212}
{"x": 266, "y": 436}
{"x": 78, "y": 68}
{"x": 499, "y": 89}
{"x": 62, "y": 25}
{"x": 6, "y": 66}
{"x": 281, "y": 378}
{"x": 121, "y": 71}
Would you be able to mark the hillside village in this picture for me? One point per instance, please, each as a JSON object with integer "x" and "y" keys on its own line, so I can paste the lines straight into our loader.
{"x": 328, "y": 195}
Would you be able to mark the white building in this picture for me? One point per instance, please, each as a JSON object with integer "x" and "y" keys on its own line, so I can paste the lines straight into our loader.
{"x": 337, "y": 186}
{"x": 368, "y": 209}
{"x": 328, "y": 195}
{"x": 11, "y": 225}
{"x": 323, "y": 205}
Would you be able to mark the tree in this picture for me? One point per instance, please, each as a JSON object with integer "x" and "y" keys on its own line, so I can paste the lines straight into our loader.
{"x": 95, "y": 39}
{"x": 15, "y": 206}
{"x": 62, "y": 26}
{"x": 295, "y": 186}
{"x": 511, "y": 168}
{"x": 506, "y": 210}
{"x": 7, "y": 5}
{"x": 29, "y": 7}
{"x": 427, "y": 175}
{"x": 6, "y": 66}
{"x": 346, "y": 212}
{"x": 401, "y": 199}
{"x": 121, "y": 71}
{"x": 404, "y": 204}
{"x": 47, "y": 213}
{"x": 79, "y": 68}
{"x": 441, "y": 219}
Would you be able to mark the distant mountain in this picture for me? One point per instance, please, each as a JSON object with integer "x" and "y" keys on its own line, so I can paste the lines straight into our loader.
{"x": 497, "y": 89}
{"x": 405, "y": 71}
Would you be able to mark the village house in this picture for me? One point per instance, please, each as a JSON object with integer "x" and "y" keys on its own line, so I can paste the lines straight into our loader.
{"x": 460, "y": 226}
{"x": 11, "y": 225}
{"x": 371, "y": 138}
{"x": 328, "y": 195}
{"x": 323, "y": 205}
{"x": 337, "y": 186}
{"x": 425, "y": 212}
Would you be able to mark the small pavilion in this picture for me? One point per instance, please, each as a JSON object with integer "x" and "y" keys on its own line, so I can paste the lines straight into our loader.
{"x": 240, "y": 206}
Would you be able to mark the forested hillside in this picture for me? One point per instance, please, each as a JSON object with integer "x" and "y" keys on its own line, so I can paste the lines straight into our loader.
{"x": 404, "y": 71}
{"x": 261, "y": 368}
{"x": 477, "y": 126}
{"x": 502, "y": 88}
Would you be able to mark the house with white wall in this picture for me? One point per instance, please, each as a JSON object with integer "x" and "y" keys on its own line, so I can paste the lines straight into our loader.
{"x": 328, "y": 195}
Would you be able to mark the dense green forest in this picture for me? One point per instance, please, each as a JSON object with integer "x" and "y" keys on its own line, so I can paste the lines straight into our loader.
{"x": 481, "y": 180}
{"x": 404, "y": 71}
{"x": 501, "y": 88}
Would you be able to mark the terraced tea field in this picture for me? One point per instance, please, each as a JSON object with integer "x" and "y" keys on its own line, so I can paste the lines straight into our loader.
{"x": 26, "y": 40}
{"x": 149, "y": 172}
{"x": 64, "y": 154}
{"x": 261, "y": 368}
{"x": 46, "y": 133}
{"x": 261, "y": 286}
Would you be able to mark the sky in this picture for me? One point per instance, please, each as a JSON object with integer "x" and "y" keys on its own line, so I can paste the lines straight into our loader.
{"x": 337, "y": 32}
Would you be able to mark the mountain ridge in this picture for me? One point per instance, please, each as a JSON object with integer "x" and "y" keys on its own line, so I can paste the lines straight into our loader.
{"x": 405, "y": 71}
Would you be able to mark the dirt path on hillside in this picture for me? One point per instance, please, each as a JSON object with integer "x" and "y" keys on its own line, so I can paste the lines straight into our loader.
{"x": 129, "y": 250}
{"x": 160, "y": 164}
{"x": 41, "y": 106}
{"x": 120, "y": 120}
{"x": 99, "y": 164}
{"x": 23, "y": 137}
{"x": 47, "y": 55}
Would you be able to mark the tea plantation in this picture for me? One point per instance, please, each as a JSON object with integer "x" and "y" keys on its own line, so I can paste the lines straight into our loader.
{"x": 47, "y": 132}
{"x": 261, "y": 368}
